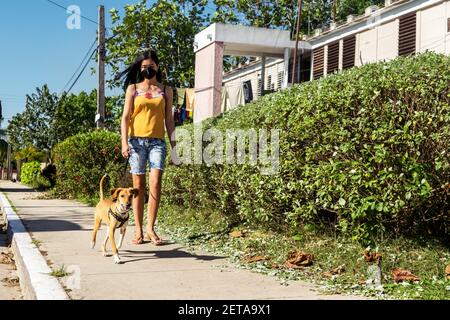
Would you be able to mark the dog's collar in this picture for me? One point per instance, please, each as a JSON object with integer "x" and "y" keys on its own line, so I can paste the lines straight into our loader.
{"x": 122, "y": 218}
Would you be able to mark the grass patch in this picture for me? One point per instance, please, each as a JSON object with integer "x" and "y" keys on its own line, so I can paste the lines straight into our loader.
{"x": 36, "y": 242}
{"x": 60, "y": 273}
{"x": 426, "y": 258}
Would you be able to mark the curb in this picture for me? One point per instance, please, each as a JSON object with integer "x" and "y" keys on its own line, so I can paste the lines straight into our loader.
{"x": 34, "y": 278}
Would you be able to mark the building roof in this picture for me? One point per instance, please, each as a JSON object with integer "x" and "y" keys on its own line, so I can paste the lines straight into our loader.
{"x": 373, "y": 16}
{"x": 242, "y": 40}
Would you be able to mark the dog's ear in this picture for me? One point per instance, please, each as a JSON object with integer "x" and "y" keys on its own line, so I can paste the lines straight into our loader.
{"x": 134, "y": 192}
{"x": 115, "y": 194}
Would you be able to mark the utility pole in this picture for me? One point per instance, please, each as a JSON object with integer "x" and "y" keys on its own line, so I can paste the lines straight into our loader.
{"x": 299, "y": 15}
{"x": 100, "y": 117}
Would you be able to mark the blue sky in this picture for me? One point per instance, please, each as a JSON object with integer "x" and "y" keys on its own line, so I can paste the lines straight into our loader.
{"x": 37, "y": 48}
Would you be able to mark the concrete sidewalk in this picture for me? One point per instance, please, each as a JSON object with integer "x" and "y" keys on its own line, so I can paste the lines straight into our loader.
{"x": 63, "y": 230}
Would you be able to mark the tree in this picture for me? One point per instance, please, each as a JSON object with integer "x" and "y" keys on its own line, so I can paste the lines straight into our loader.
{"x": 3, "y": 152}
{"x": 28, "y": 154}
{"x": 279, "y": 14}
{"x": 168, "y": 26}
{"x": 49, "y": 119}
{"x": 74, "y": 114}
{"x": 343, "y": 8}
{"x": 33, "y": 126}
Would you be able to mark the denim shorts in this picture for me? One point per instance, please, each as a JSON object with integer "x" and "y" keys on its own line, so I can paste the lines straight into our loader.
{"x": 143, "y": 150}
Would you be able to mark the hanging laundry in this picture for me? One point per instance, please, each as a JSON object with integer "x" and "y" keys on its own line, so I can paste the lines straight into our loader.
{"x": 236, "y": 95}
{"x": 181, "y": 96}
{"x": 182, "y": 114}
{"x": 190, "y": 99}
{"x": 248, "y": 92}
{"x": 224, "y": 100}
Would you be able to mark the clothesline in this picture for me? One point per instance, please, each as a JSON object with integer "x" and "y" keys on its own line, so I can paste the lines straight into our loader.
{"x": 235, "y": 84}
{"x": 211, "y": 87}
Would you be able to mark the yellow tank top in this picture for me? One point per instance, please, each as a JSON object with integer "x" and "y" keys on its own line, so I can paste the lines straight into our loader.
{"x": 147, "y": 118}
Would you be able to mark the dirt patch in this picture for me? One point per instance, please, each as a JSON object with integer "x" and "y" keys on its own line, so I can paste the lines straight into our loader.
{"x": 11, "y": 281}
{"x": 6, "y": 257}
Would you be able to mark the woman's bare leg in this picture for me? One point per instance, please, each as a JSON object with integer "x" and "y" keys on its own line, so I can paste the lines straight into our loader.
{"x": 155, "y": 178}
{"x": 138, "y": 207}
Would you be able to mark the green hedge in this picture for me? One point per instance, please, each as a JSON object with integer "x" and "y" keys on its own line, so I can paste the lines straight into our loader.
{"x": 365, "y": 149}
{"x": 31, "y": 175}
{"x": 83, "y": 159}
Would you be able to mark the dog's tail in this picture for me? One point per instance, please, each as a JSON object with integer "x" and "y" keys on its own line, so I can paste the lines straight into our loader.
{"x": 101, "y": 186}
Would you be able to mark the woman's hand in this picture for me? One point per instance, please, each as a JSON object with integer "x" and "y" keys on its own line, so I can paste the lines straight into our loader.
{"x": 125, "y": 150}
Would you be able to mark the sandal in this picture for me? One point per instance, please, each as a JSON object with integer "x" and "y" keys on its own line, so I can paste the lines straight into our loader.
{"x": 138, "y": 240}
{"x": 155, "y": 239}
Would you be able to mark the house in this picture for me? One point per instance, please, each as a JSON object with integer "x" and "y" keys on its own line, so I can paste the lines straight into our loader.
{"x": 400, "y": 28}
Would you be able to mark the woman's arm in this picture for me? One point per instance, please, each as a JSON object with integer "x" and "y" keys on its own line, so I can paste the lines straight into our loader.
{"x": 126, "y": 120}
{"x": 170, "y": 125}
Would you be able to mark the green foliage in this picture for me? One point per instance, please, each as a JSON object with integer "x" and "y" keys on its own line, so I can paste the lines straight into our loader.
{"x": 83, "y": 159}
{"x": 29, "y": 154}
{"x": 342, "y": 8}
{"x": 266, "y": 13}
{"x": 3, "y": 152}
{"x": 49, "y": 119}
{"x": 33, "y": 126}
{"x": 366, "y": 150}
{"x": 31, "y": 175}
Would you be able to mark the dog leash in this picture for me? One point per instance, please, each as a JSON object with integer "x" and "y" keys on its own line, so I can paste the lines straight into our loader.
{"x": 125, "y": 166}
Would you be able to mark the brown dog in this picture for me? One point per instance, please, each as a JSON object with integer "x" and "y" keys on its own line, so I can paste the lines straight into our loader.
{"x": 115, "y": 213}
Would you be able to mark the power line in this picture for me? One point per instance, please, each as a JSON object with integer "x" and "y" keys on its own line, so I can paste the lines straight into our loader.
{"x": 82, "y": 61}
{"x": 88, "y": 60}
{"x": 82, "y": 70}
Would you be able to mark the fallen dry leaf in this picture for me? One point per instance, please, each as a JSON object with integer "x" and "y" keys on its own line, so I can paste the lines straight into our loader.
{"x": 372, "y": 256}
{"x": 275, "y": 266}
{"x": 447, "y": 188}
{"x": 237, "y": 234}
{"x": 361, "y": 281}
{"x": 11, "y": 282}
{"x": 299, "y": 259}
{"x": 255, "y": 259}
{"x": 336, "y": 271}
{"x": 447, "y": 272}
{"x": 403, "y": 275}
{"x": 6, "y": 258}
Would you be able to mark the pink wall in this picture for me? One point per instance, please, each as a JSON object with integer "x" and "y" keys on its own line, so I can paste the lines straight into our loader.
{"x": 208, "y": 81}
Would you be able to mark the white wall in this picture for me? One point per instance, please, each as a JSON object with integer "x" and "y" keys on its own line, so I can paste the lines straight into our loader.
{"x": 432, "y": 29}
{"x": 387, "y": 40}
{"x": 379, "y": 43}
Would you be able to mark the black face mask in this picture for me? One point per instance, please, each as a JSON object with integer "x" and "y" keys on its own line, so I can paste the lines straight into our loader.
{"x": 148, "y": 73}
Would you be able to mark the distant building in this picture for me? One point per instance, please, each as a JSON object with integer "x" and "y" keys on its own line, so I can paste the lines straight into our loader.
{"x": 400, "y": 28}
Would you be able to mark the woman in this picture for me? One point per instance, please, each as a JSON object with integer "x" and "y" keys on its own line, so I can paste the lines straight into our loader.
{"x": 148, "y": 107}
